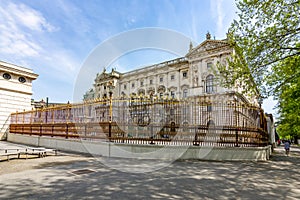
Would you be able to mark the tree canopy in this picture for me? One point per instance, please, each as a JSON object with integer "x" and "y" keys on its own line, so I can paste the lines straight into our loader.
{"x": 267, "y": 50}
{"x": 288, "y": 96}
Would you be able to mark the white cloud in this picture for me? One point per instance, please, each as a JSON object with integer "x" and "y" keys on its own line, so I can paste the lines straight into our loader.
{"x": 24, "y": 40}
{"x": 21, "y": 33}
{"x": 218, "y": 14}
{"x": 74, "y": 17}
{"x": 15, "y": 40}
{"x": 29, "y": 17}
{"x": 223, "y": 12}
{"x": 64, "y": 62}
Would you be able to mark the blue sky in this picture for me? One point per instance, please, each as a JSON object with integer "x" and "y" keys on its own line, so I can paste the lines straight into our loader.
{"x": 54, "y": 37}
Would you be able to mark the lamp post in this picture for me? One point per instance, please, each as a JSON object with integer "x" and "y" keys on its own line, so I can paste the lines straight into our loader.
{"x": 260, "y": 101}
{"x": 261, "y": 123}
{"x": 110, "y": 87}
{"x": 236, "y": 122}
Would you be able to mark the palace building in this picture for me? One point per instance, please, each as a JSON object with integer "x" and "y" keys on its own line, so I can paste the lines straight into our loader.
{"x": 181, "y": 95}
{"x": 179, "y": 102}
{"x": 191, "y": 75}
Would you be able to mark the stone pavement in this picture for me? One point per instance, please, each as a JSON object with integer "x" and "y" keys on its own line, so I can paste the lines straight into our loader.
{"x": 73, "y": 176}
{"x": 9, "y": 145}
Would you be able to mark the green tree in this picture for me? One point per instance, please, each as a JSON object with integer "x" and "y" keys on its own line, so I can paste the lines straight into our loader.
{"x": 266, "y": 41}
{"x": 288, "y": 96}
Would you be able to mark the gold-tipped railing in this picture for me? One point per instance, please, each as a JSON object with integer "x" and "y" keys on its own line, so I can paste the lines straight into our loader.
{"x": 147, "y": 120}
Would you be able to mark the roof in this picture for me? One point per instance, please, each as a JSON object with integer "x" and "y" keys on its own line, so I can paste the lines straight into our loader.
{"x": 208, "y": 45}
{"x": 18, "y": 70}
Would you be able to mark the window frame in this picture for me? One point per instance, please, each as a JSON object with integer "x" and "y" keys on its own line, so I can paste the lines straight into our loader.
{"x": 173, "y": 94}
{"x": 209, "y": 65}
{"x": 22, "y": 79}
{"x": 185, "y": 93}
{"x": 172, "y": 77}
{"x": 209, "y": 84}
{"x": 6, "y": 76}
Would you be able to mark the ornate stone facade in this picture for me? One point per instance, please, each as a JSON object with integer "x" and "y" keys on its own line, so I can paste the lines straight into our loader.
{"x": 191, "y": 75}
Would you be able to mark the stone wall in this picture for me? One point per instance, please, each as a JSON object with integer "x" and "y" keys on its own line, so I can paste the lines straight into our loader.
{"x": 107, "y": 149}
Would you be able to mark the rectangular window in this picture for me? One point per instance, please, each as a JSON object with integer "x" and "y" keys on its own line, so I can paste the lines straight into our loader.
{"x": 184, "y": 74}
{"x": 210, "y": 84}
{"x": 151, "y": 82}
{"x": 209, "y": 65}
{"x": 172, "y": 111}
{"x": 209, "y": 108}
{"x": 132, "y": 85}
{"x": 172, "y": 77}
{"x": 172, "y": 94}
{"x": 184, "y": 112}
{"x": 142, "y": 83}
{"x": 125, "y": 86}
{"x": 161, "y": 79}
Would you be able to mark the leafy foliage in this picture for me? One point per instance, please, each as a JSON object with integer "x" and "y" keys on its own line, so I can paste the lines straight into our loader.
{"x": 266, "y": 33}
{"x": 266, "y": 58}
{"x": 288, "y": 95}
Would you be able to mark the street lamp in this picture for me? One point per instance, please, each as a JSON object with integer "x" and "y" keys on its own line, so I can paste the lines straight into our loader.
{"x": 236, "y": 122}
{"x": 110, "y": 87}
{"x": 260, "y": 101}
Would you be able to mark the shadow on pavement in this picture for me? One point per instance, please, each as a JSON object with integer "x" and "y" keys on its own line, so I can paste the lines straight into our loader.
{"x": 275, "y": 179}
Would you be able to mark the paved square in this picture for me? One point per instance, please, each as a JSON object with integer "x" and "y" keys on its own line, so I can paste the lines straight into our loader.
{"x": 52, "y": 177}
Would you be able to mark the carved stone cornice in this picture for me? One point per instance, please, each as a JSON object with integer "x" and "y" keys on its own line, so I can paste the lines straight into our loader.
{"x": 208, "y": 47}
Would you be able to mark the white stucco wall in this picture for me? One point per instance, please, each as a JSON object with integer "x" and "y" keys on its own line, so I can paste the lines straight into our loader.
{"x": 15, "y": 95}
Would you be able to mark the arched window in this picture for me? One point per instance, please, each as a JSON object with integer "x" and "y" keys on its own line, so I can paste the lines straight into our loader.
{"x": 210, "y": 84}
{"x": 211, "y": 127}
{"x": 141, "y": 92}
{"x": 185, "y": 126}
{"x": 210, "y": 124}
{"x": 185, "y": 93}
{"x": 173, "y": 127}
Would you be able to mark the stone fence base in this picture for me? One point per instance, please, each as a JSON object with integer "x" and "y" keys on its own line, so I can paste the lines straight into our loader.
{"x": 146, "y": 151}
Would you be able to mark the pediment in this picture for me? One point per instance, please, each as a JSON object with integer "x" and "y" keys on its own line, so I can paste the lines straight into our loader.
{"x": 107, "y": 76}
{"x": 102, "y": 77}
{"x": 207, "y": 45}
